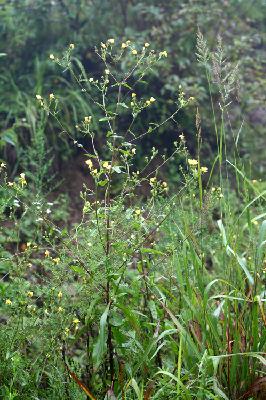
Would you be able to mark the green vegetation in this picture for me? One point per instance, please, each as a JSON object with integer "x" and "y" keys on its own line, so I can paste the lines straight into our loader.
{"x": 155, "y": 289}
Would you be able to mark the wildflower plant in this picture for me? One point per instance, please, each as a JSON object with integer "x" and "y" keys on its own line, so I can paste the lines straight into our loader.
{"x": 118, "y": 237}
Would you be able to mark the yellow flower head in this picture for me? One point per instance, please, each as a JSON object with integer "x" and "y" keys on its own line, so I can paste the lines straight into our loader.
{"x": 106, "y": 165}
{"x": 87, "y": 120}
{"x": 71, "y": 46}
{"x": 47, "y": 253}
{"x": 89, "y": 163}
{"x": 51, "y": 96}
{"x": 192, "y": 162}
{"x": 111, "y": 41}
{"x": 124, "y": 45}
{"x": 204, "y": 170}
{"x": 152, "y": 181}
{"x": 146, "y": 44}
{"x": 22, "y": 179}
{"x": 60, "y": 309}
{"x": 163, "y": 54}
{"x": 133, "y": 95}
{"x": 134, "y": 52}
{"x": 76, "y": 321}
{"x": 56, "y": 260}
{"x": 30, "y": 294}
{"x": 8, "y": 302}
{"x": 137, "y": 211}
{"x": 152, "y": 99}
{"x": 38, "y": 97}
{"x": 60, "y": 295}
{"x": 52, "y": 57}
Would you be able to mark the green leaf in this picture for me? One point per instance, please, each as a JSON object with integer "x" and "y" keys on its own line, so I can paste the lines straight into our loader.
{"x": 151, "y": 251}
{"x": 122, "y": 105}
{"x": 100, "y": 347}
{"x": 79, "y": 270}
{"x": 117, "y": 169}
{"x": 104, "y": 119}
{"x": 103, "y": 183}
{"x": 241, "y": 261}
{"x": 9, "y": 136}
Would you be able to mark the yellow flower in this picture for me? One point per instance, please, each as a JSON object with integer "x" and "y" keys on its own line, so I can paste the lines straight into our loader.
{"x": 165, "y": 185}
{"x": 103, "y": 45}
{"x": 163, "y": 54}
{"x": 106, "y": 165}
{"x": 204, "y": 170}
{"x": 91, "y": 80}
{"x": 38, "y": 97}
{"x": 107, "y": 71}
{"x": 124, "y": 45}
{"x": 137, "y": 211}
{"x": 60, "y": 309}
{"x": 152, "y": 99}
{"x": 30, "y": 294}
{"x": 10, "y": 183}
{"x": 87, "y": 120}
{"x": 51, "y": 96}
{"x": 133, "y": 150}
{"x": 56, "y": 260}
{"x": 111, "y": 41}
{"x": 22, "y": 179}
{"x": 89, "y": 163}
{"x": 60, "y": 295}
{"x": 52, "y": 57}
{"x": 133, "y": 95}
{"x": 71, "y": 46}
{"x": 192, "y": 162}
{"x": 134, "y": 51}
{"x": 152, "y": 181}
{"x": 8, "y": 302}
{"x": 47, "y": 253}
{"x": 76, "y": 321}
{"x": 148, "y": 103}
{"x": 146, "y": 44}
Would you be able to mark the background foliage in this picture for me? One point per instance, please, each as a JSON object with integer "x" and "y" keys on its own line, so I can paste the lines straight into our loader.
{"x": 31, "y": 30}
